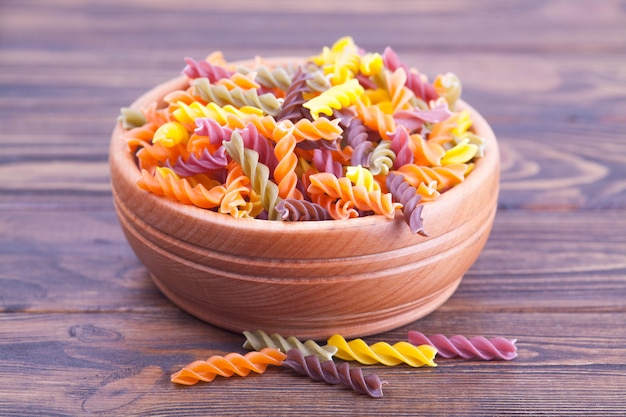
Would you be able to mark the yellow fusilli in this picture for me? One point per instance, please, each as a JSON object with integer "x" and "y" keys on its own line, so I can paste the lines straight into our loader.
{"x": 384, "y": 353}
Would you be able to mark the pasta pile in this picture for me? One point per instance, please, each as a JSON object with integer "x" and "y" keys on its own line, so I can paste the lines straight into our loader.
{"x": 317, "y": 362}
{"x": 343, "y": 134}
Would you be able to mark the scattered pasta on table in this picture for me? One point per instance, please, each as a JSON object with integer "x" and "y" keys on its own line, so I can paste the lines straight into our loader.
{"x": 329, "y": 363}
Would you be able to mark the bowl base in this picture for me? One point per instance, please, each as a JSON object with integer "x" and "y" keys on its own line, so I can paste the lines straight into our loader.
{"x": 348, "y": 326}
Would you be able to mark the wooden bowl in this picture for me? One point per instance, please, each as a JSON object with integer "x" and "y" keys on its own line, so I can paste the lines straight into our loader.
{"x": 355, "y": 277}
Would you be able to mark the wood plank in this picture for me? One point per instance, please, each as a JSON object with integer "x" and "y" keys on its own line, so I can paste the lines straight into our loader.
{"x": 78, "y": 260}
{"x": 71, "y": 261}
{"x": 450, "y": 25}
{"x": 120, "y": 364}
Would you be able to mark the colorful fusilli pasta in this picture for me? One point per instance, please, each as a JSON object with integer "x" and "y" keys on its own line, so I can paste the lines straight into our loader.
{"x": 333, "y": 374}
{"x": 258, "y": 340}
{"x": 258, "y": 173}
{"x": 131, "y": 118}
{"x": 207, "y": 69}
{"x": 273, "y": 78}
{"x": 362, "y": 198}
{"x": 410, "y": 200}
{"x": 474, "y": 347}
{"x": 294, "y": 99}
{"x": 190, "y": 190}
{"x": 382, "y": 352}
{"x": 236, "y": 96}
{"x": 297, "y": 129}
{"x": 228, "y": 365}
{"x": 301, "y": 210}
{"x": 335, "y": 98}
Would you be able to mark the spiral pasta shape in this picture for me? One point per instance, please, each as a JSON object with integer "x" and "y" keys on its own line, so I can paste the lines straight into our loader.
{"x": 461, "y": 153}
{"x": 379, "y": 97}
{"x": 137, "y": 137}
{"x": 304, "y": 129}
{"x": 238, "y": 80}
{"x": 236, "y": 96}
{"x": 415, "y": 81}
{"x": 445, "y": 177}
{"x": 285, "y": 174}
{"x": 382, "y": 158}
{"x": 239, "y": 199}
{"x": 233, "y": 202}
{"x": 337, "y": 208}
{"x": 273, "y": 78}
{"x": 189, "y": 113}
{"x": 207, "y": 161}
{"x": 205, "y": 126}
{"x": 130, "y": 118}
{"x": 449, "y": 87}
{"x": 301, "y": 210}
{"x": 252, "y": 139}
{"x": 294, "y": 99}
{"x": 151, "y": 155}
{"x": 316, "y": 81}
{"x": 444, "y": 132}
{"x": 256, "y": 171}
{"x": 400, "y": 145}
{"x": 375, "y": 118}
{"x": 166, "y": 183}
{"x": 320, "y": 129}
{"x": 205, "y": 69}
{"x": 400, "y": 95}
{"x": 336, "y": 97}
{"x": 333, "y": 374}
{"x": 474, "y": 347}
{"x": 382, "y": 352}
{"x": 475, "y": 140}
{"x": 341, "y": 61}
{"x": 228, "y": 365}
{"x": 323, "y": 161}
{"x": 361, "y": 154}
{"x": 185, "y": 96}
{"x": 342, "y": 189}
{"x": 426, "y": 153}
{"x": 258, "y": 340}
{"x": 410, "y": 199}
{"x": 155, "y": 115}
{"x": 371, "y": 64}
{"x": 415, "y": 119}
{"x": 362, "y": 177}
{"x": 355, "y": 133}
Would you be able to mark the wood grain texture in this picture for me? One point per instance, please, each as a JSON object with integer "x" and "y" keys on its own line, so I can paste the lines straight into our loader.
{"x": 83, "y": 331}
{"x": 121, "y": 364}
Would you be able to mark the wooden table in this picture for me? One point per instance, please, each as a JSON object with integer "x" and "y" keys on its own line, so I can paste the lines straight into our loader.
{"x": 84, "y": 331}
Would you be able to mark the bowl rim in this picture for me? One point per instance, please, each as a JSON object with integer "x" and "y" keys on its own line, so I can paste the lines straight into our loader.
{"x": 120, "y": 157}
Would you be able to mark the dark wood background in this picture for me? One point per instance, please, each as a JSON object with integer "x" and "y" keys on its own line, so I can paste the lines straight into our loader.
{"x": 84, "y": 331}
